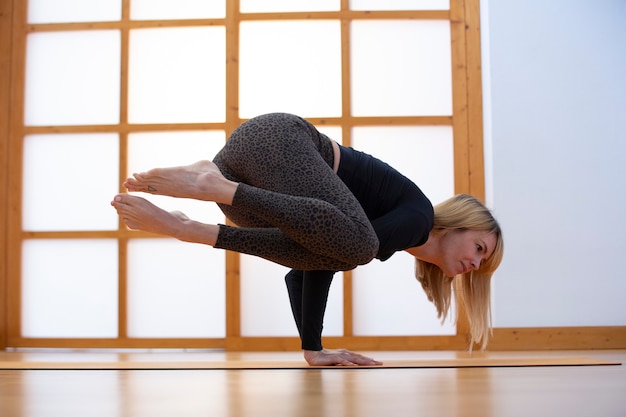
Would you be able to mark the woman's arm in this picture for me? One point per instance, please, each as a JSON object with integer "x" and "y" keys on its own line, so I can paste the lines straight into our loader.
{"x": 308, "y": 293}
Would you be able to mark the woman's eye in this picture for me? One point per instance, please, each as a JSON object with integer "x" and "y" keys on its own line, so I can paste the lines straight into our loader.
{"x": 479, "y": 248}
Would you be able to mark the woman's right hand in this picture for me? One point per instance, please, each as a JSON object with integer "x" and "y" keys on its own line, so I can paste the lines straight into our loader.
{"x": 343, "y": 357}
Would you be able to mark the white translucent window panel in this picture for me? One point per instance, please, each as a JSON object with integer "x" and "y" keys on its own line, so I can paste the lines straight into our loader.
{"x": 176, "y": 148}
{"x": 69, "y": 288}
{"x": 424, "y": 154}
{"x": 177, "y": 75}
{"x": 175, "y": 289}
{"x": 400, "y": 5}
{"x": 401, "y": 68}
{"x": 57, "y": 11}
{"x": 292, "y": 67}
{"x": 388, "y": 300}
{"x": 72, "y": 78}
{"x": 265, "y": 308}
{"x": 264, "y": 6}
{"x": 177, "y": 9}
{"x": 69, "y": 181}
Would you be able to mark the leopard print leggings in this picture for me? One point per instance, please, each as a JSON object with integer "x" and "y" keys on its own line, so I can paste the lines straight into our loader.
{"x": 291, "y": 208}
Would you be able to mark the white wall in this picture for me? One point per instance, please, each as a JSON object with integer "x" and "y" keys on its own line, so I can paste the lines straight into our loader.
{"x": 555, "y": 123}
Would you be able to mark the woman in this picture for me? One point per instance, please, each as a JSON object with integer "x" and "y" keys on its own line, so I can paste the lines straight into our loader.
{"x": 305, "y": 202}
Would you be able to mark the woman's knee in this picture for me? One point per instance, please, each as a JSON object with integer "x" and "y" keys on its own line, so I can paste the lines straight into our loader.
{"x": 366, "y": 249}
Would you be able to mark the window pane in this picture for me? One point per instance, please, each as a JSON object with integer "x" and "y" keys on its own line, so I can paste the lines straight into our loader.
{"x": 57, "y": 11}
{"x": 265, "y": 308}
{"x": 400, "y": 5}
{"x": 389, "y": 301}
{"x": 407, "y": 78}
{"x": 167, "y": 149}
{"x": 72, "y": 78}
{"x": 424, "y": 154}
{"x": 292, "y": 67}
{"x": 69, "y": 181}
{"x": 177, "y": 75}
{"x": 175, "y": 289}
{"x": 264, "y": 6}
{"x": 176, "y": 9}
{"x": 69, "y": 288}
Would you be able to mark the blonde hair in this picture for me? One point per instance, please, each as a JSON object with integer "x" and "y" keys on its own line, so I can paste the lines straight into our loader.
{"x": 472, "y": 289}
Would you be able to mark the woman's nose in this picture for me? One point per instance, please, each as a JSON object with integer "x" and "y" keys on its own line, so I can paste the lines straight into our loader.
{"x": 476, "y": 262}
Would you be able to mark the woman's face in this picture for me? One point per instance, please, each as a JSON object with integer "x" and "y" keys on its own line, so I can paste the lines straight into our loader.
{"x": 463, "y": 251}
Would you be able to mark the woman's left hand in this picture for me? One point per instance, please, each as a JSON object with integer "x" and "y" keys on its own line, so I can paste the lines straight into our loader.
{"x": 329, "y": 357}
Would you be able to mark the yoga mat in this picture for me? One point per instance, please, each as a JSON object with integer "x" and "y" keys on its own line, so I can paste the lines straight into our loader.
{"x": 496, "y": 362}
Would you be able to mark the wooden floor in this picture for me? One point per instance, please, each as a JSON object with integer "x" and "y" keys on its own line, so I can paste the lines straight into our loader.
{"x": 570, "y": 391}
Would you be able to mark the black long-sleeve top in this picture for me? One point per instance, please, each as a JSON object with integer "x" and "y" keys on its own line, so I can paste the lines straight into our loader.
{"x": 402, "y": 217}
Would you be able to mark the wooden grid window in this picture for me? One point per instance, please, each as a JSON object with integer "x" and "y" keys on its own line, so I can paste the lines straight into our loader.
{"x": 102, "y": 89}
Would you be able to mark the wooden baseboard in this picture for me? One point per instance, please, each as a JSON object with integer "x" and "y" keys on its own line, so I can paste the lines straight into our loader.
{"x": 121, "y": 343}
{"x": 559, "y": 338}
{"x": 540, "y": 338}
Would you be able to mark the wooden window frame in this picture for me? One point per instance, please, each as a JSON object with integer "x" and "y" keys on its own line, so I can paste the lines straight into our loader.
{"x": 466, "y": 120}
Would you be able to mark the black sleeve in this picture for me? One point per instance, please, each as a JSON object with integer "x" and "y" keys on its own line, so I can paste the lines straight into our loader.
{"x": 402, "y": 216}
{"x": 400, "y": 229}
{"x": 308, "y": 295}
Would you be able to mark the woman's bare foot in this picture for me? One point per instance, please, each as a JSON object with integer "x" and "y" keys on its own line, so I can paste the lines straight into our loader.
{"x": 140, "y": 214}
{"x": 201, "y": 181}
